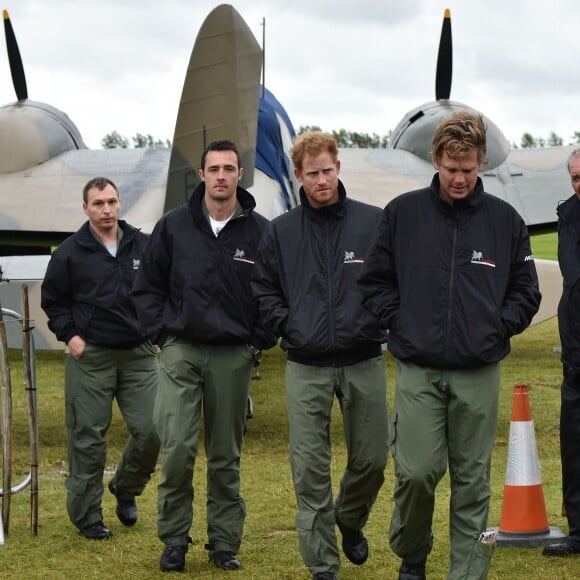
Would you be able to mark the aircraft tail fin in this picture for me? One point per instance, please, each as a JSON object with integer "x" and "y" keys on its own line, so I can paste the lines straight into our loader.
{"x": 219, "y": 100}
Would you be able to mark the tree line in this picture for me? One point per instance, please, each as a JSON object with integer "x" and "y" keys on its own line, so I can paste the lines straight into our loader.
{"x": 344, "y": 139}
{"x": 114, "y": 140}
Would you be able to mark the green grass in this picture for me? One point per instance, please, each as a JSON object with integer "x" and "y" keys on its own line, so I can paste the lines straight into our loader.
{"x": 545, "y": 245}
{"x": 270, "y": 546}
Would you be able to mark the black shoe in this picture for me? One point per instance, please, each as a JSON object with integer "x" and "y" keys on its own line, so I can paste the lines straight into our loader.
{"x": 412, "y": 571}
{"x": 324, "y": 576}
{"x": 97, "y": 531}
{"x": 354, "y": 544}
{"x": 173, "y": 558}
{"x": 568, "y": 546}
{"x": 126, "y": 507}
{"x": 127, "y": 511}
{"x": 224, "y": 560}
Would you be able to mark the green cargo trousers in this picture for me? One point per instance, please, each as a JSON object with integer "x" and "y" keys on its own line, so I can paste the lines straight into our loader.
{"x": 361, "y": 390}
{"x": 443, "y": 417}
{"x": 216, "y": 379}
{"x": 91, "y": 383}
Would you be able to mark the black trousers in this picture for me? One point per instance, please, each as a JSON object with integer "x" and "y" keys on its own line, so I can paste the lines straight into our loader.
{"x": 570, "y": 448}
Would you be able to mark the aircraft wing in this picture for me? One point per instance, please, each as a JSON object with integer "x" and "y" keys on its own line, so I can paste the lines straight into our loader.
{"x": 47, "y": 198}
{"x": 376, "y": 176}
{"x": 534, "y": 181}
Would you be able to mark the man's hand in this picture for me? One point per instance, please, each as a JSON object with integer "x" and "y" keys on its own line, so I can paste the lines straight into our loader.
{"x": 76, "y": 346}
{"x": 256, "y": 355}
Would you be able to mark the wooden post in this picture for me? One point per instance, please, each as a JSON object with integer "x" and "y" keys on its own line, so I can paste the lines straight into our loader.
{"x": 30, "y": 389}
{"x": 6, "y": 426}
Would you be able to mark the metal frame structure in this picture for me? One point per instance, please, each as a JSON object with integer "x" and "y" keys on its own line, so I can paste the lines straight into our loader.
{"x": 29, "y": 379}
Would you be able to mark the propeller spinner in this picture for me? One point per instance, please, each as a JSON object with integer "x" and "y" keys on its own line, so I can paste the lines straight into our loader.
{"x": 414, "y": 133}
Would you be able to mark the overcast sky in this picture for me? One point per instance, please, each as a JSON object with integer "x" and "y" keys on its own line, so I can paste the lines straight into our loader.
{"x": 353, "y": 64}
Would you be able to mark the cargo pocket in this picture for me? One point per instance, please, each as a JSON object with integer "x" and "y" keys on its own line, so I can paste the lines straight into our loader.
{"x": 70, "y": 414}
{"x": 480, "y": 557}
{"x": 310, "y": 544}
{"x": 76, "y": 486}
{"x": 392, "y": 434}
{"x": 237, "y": 526}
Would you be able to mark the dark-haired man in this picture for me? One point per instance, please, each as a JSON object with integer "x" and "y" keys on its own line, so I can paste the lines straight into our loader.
{"x": 193, "y": 297}
{"x": 86, "y": 296}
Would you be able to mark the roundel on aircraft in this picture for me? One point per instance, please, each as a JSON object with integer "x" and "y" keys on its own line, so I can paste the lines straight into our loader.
{"x": 32, "y": 133}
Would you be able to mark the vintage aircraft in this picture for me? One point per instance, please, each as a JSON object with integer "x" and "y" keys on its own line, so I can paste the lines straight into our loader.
{"x": 532, "y": 180}
{"x": 44, "y": 162}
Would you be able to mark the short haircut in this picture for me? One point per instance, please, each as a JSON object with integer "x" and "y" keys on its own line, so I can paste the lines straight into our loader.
{"x": 572, "y": 155}
{"x": 313, "y": 143}
{"x": 97, "y": 183}
{"x": 222, "y": 145}
{"x": 458, "y": 134}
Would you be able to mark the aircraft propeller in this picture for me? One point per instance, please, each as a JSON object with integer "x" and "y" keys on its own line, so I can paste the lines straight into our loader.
{"x": 16, "y": 67}
{"x": 444, "y": 60}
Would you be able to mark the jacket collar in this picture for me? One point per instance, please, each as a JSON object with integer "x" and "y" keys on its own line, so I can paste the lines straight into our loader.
{"x": 467, "y": 204}
{"x": 569, "y": 209}
{"x": 336, "y": 209}
{"x": 245, "y": 199}
{"x": 85, "y": 236}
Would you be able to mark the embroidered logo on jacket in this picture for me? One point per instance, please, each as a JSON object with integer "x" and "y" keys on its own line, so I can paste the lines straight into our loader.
{"x": 240, "y": 256}
{"x": 478, "y": 258}
{"x": 136, "y": 262}
{"x": 350, "y": 258}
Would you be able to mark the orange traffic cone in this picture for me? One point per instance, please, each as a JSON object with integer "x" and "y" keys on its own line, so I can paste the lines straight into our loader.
{"x": 524, "y": 521}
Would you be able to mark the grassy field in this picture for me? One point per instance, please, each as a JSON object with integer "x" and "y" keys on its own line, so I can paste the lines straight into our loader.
{"x": 270, "y": 544}
{"x": 545, "y": 245}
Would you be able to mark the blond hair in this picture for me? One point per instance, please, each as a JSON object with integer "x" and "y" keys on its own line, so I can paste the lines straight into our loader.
{"x": 458, "y": 134}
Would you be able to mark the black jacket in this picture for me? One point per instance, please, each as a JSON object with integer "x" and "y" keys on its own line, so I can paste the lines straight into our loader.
{"x": 86, "y": 291}
{"x": 451, "y": 283}
{"x": 304, "y": 282}
{"x": 195, "y": 285}
{"x": 569, "y": 260}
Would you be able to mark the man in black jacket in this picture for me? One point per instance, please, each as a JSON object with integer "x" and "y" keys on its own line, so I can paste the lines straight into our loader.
{"x": 305, "y": 285}
{"x": 569, "y": 325}
{"x": 193, "y": 297}
{"x": 86, "y": 296}
{"x": 451, "y": 278}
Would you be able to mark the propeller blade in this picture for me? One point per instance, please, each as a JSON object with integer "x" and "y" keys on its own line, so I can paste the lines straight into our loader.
{"x": 16, "y": 68}
{"x": 444, "y": 60}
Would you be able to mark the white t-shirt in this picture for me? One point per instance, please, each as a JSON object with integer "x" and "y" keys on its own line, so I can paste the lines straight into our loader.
{"x": 218, "y": 226}
{"x": 112, "y": 248}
